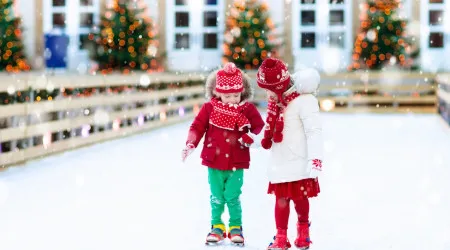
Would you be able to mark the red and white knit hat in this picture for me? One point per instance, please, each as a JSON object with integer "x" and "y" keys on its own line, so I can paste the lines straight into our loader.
{"x": 229, "y": 79}
{"x": 274, "y": 76}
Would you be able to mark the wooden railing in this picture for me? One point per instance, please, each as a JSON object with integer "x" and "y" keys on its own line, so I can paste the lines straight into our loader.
{"x": 48, "y": 114}
{"x": 376, "y": 92}
{"x": 104, "y": 107}
{"x": 444, "y": 96}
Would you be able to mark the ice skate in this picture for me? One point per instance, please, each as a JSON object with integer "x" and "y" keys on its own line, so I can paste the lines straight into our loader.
{"x": 216, "y": 236}
{"x": 235, "y": 235}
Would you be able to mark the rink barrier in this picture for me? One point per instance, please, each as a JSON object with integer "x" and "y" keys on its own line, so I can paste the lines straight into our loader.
{"x": 375, "y": 92}
{"x": 108, "y": 107}
{"x": 31, "y": 129}
{"x": 443, "y": 96}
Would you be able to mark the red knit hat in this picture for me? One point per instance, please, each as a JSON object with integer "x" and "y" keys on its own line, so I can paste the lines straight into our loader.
{"x": 229, "y": 79}
{"x": 274, "y": 76}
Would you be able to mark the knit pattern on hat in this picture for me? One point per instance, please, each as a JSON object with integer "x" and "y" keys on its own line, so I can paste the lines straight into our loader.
{"x": 229, "y": 79}
{"x": 273, "y": 75}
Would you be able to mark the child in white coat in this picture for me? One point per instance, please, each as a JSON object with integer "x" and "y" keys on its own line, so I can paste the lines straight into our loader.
{"x": 293, "y": 135}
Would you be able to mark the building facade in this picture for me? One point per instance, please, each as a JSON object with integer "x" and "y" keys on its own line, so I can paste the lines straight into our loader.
{"x": 318, "y": 33}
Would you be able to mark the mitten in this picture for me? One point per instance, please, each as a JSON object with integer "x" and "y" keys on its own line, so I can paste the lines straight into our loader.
{"x": 315, "y": 168}
{"x": 246, "y": 140}
{"x": 187, "y": 151}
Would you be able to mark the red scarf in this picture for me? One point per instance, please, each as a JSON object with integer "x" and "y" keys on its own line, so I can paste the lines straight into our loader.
{"x": 228, "y": 116}
{"x": 275, "y": 120}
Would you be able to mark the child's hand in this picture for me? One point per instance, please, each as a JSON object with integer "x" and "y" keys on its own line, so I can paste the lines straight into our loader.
{"x": 246, "y": 140}
{"x": 187, "y": 151}
{"x": 316, "y": 168}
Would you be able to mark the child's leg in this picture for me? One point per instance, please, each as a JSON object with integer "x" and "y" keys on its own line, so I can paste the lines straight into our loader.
{"x": 216, "y": 179}
{"x": 233, "y": 186}
{"x": 282, "y": 212}
{"x": 302, "y": 208}
{"x": 303, "y": 239}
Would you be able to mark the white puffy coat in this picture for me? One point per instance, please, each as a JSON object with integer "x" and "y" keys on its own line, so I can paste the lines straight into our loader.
{"x": 291, "y": 159}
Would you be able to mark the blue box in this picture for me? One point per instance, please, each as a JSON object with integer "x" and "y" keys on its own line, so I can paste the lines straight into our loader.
{"x": 55, "y": 53}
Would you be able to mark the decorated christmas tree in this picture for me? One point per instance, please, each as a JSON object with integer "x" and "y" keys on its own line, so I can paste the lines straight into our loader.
{"x": 12, "y": 57}
{"x": 126, "y": 39}
{"x": 248, "y": 38}
{"x": 382, "y": 38}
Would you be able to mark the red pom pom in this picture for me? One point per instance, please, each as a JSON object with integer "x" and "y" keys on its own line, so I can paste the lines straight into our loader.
{"x": 278, "y": 137}
{"x": 230, "y": 68}
{"x": 266, "y": 143}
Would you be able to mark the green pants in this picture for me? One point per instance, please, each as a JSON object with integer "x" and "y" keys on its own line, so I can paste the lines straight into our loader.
{"x": 225, "y": 188}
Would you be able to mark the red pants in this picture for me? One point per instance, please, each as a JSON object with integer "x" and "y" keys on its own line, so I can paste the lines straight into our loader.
{"x": 282, "y": 211}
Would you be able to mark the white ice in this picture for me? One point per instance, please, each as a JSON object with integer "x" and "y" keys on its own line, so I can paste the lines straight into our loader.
{"x": 385, "y": 186}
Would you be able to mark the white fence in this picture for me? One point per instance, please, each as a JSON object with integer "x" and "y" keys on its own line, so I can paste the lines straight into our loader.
{"x": 42, "y": 115}
{"x": 103, "y": 108}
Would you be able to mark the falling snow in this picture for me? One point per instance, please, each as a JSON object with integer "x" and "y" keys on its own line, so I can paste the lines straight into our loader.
{"x": 111, "y": 195}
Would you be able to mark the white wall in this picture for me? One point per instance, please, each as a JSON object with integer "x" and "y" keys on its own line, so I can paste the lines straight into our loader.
{"x": 27, "y": 11}
{"x": 276, "y": 9}
{"x": 152, "y": 7}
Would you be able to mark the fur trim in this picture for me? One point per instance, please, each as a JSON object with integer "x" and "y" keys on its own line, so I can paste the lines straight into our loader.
{"x": 210, "y": 86}
{"x": 306, "y": 80}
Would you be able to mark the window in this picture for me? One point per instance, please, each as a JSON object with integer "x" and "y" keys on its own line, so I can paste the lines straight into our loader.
{"x": 86, "y": 2}
{"x": 210, "y": 19}
{"x": 182, "y": 19}
{"x": 337, "y": 39}
{"x": 308, "y": 17}
{"x": 59, "y": 20}
{"x": 308, "y": 40}
{"x": 57, "y": 3}
{"x": 336, "y": 1}
{"x": 181, "y": 2}
{"x": 210, "y": 2}
{"x": 86, "y": 19}
{"x": 182, "y": 41}
{"x": 336, "y": 17}
{"x": 308, "y": 1}
{"x": 210, "y": 41}
{"x": 436, "y": 40}
{"x": 84, "y": 41}
{"x": 436, "y": 17}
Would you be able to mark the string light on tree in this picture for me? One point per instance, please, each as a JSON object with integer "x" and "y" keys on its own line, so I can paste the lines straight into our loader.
{"x": 126, "y": 39}
{"x": 382, "y": 39}
{"x": 12, "y": 57}
{"x": 248, "y": 38}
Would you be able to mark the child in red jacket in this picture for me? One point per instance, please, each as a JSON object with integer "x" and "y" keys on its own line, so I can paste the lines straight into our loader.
{"x": 228, "y": 120}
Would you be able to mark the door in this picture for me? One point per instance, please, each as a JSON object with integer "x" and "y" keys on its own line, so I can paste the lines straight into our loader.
{"x": 194, "y": 34}
{"x": 320, "y": 36}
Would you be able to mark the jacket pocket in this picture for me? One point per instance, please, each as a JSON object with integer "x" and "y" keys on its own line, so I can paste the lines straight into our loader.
{"x": 209, "y": 152}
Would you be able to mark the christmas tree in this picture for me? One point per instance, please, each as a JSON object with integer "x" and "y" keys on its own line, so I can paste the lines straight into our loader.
{"x": 248, "y": 38}
{"x": 382, "y": 38}
{"x": 126, "y": 39}
{"x": 12, "y": 57}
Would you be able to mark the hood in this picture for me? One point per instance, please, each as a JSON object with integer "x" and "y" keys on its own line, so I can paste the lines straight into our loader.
{"x": 306, "y": 80}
